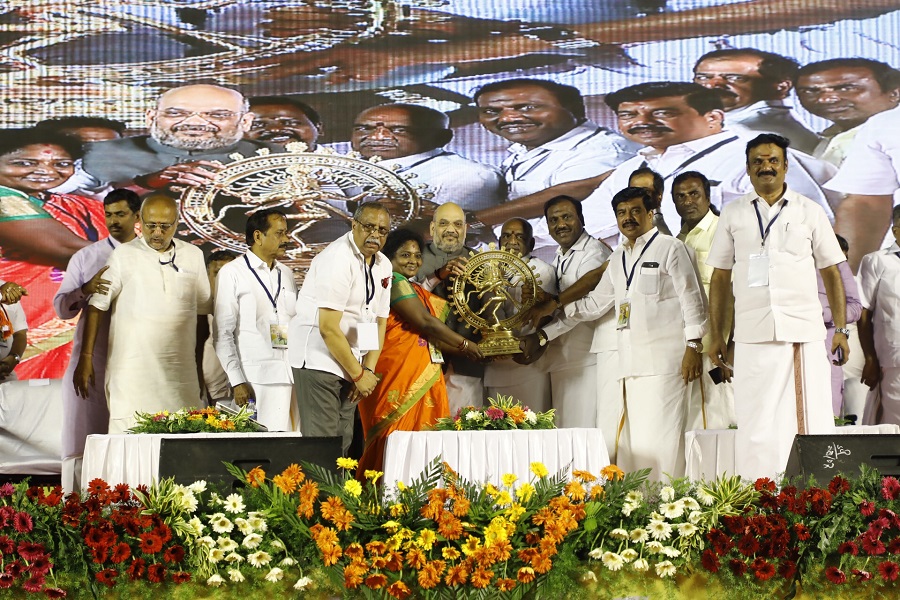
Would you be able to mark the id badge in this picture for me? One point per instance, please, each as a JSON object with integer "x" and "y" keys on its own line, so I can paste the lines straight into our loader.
{"x": 758, "y": 272}
{"x": 437, "y": 357}
{"x": 624, "y": 314}
{"x": 367, "y": 336}
{"x": 279, "y": 335}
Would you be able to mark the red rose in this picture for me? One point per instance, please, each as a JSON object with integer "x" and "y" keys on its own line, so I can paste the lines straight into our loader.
{"x": 835, "y": 575}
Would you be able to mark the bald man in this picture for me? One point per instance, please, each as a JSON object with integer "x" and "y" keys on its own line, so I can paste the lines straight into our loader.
{"x": 192, "y": 128}
{"x": 157, "y": 289}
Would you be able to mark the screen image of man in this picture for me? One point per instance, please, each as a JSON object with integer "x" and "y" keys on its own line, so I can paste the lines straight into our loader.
{"x": 767, "y": 248}
{"x": 282, "y": 120}
{"x": 255, "y": 301}
{"x": 338, "y": 331}
{"x": 157, "y": 297}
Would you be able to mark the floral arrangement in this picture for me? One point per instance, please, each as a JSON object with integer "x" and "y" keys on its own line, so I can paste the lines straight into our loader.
{"x": 502, "y": 413}
{"x": 194, "y": 420}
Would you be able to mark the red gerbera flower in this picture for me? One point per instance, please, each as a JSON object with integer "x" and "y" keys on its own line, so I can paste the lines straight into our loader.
{"x": 136, "y": 569}
{"x": 735, "y": 525}
{"x": 7, "y": 489}
{"x": 764, "y": 484}
{"x": 710, "y": 561}
{"x": 861, "y": 575}
{"x": 156, "y": 572}
{"x": 163, "y": 531}
{"x": 802, "y": 532}
{"x": 872, "y": 545}
{"x": 121, "y": 493}
{"x": 40, "y": 566}
{"x": 181, "y": 577}
{"x": 34, "y": 583}
{"x": 174, "y": 554}
{"x": 107, "y": 576}
{"x": 97, "y": 487}
{"x": 738, "y": 567}
{"x": 6, "y": 581}
{"x": 15, "y": 568}
{"x": 894, "y": 546}
{"x": 31, "y": 550}
{"x": 7, "y": 545}
{"x": 866, "y": 508}
{"x": 848, "y": 548}
{"x": 150, "y": 543}
{"x": 838, "y": 485}
{"x": 763, "y": 570}
{"x": 835, "y": 575}
{"x": 889, "y": 570}
{"x": 55, "y": 593}
{"x": 22, "y": 522}
{"x": 787, "y": 569}
{"x": 34, "y": 493}
{"x": 120, "y": 553}
{"x": 748, "y": 545}
{"x": 890, "y": 488}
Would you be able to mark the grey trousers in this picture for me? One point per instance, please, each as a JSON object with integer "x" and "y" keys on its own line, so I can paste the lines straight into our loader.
{"x": 323, "y": 405}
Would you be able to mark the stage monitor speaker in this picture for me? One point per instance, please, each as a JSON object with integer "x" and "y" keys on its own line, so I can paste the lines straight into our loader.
{"x": 824, "y": 456}
{"x": 191, "y": 459}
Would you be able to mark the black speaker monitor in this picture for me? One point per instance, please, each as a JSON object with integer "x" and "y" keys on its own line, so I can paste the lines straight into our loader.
{"x": 824, "y": 456}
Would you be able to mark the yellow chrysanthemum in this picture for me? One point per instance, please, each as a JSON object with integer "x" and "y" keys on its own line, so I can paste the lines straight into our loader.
{"x": 397, "y": 510}
{"x": 612, "y": 472}
{"x": 401, "y": 487}
{"x": 503, "y": 499}
{"x": 509, "y": 479}
{"x": 491, "y": 490}
{"x": 514, "y": 512}
{"x": 391, "y": 526}
{"x": 471, "y": 546}
{"x": 347, "y": 463}
{"x": 525, "y": 492}
{"x": 539, "y": 469}
{"x": 373, "y": 476}
{"x": 449, "y": 553}
{"x": 353, "y": 487}
{"x": 426, "y": 539}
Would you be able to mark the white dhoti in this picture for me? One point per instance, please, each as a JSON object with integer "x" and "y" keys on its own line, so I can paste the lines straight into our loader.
{"x": 274, "y": 403}
{"x": 765, "y": 401}
{"x": 652, "y": 433}
{"x": 855, "y": 391}
{"x": 710, "y": 405}
{"x": 573, "y": 377}
{"x": 883, "y": 403}
{"x": 609, "y": 399}
{"x": 463, "y": 390}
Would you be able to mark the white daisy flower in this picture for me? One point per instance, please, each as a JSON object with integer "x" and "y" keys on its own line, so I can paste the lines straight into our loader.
{"x": 596, "y": 553}
{"x": 690, "y": 503}
{"x": 259, "y": 559}
{"x": 634, "y": 497}
{"x": 274, "y": 575}
{"x": 628, "y": 508}
{"x": 234, "y": 504}
{"x": 589, "y": 576}
{"x": 671, "y": 510}
{"x": 686, "y": 530}
{"x": 235, "y": 575}
{"x": 612, "y": 561}
{"x": 667, "y": 494}
{"x": 234, "y": 557}
{"x": 214, "y": 499}
{"x": 695, "y": 516}
{"x": 185, "y": 499}
{"x": 287, "y": 562}
{"x": 657, "y": 516}
{"x": 629, "y": 554}
{"x": 639, "y": 535}
{"x": 243, "y": 526}
{"x": 215, "y": 555}
{"x": 653, "y": 547}
{"x": 531, "y": 416}
{"x": 198, "y": 487}
{"x": 196, "y": 526}
{"x": 207, "y": 542}
{"x": 659, "y": 530}
{"x": 277, "y": 544}
{"x": 252, "y": 541}
{"x": 226, "y": 543}
{"x": 257, "y": 523}
{"x": 618, "y": 534}
{"x": 302, "y": 583}
{"x": 472, "y": 415}
{"x": 640, "y": 565}
{"x": 705, "y": 498}
{"x": 215, "y": 581}
{"x": 665, "y": 568}
{"x": 220, "y": 523}
{"x": 671, "y": 552}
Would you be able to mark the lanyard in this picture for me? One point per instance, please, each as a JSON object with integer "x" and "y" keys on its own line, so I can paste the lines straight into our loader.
{"x": 562, "y": 264}
{"x": 109, "y": 241}
{"x": 695, "y": 157}
{"x": 370, "y": 281}
{"x": 273, "y": 300}
{"x": 764, "y": 233}
{"x": 421, "y": 162}
{"x": 510, "y": 174}
{"x": 630, "y": 276}
{"x": 171, "y": 261}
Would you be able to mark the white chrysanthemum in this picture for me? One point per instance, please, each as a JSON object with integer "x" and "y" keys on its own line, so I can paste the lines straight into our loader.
{"x": 234, "y": 504}
{"x": 629, "y": 554}
{"x": 531, "y": 416}
{"x": 235, "y": 575}
{"x": 657, "y": 516}
{"x": 634, "y": 497}
{"x": 612, "y": 561}
{"x": 641, "y": 565}
{"x": 628, "y": 508}
{"x": 277, "y": 544}
{"x": 196, "y": 526}
{"x": 215, "y": 580}
{"x": 667, "y": 494}
{"x": 274, "y": 575}
{"x": 665, "y": 568}
{"x": 695, "y": 516}
{"x": 259, "y": 559}
{"x": 686, "y": 530}
{"x": 234, "y": 557}
{"x": 671, "y": 552}
{"x": 198, "y": 487}
{"x": 671, "y": 510}
{"x": 596, "y": 553}
{"x": 215, "y": 555}
{"x": 705, "y": 498}
{"x": 302, "y": 583}
{"x": 207, "y": 542}
{"x": 257, "y": 523}
{"x": 589, "y": 576}
{"x": 473, "y": 415}
{"x": 690, "y": 503}
{"x": 214, "y": 499}
{"x": 252, "y": 541}
{"x": 618, "y": 534}
{"x": 185, "y": 499}
{"x": 220, "y": 523}
{"x": 639, "y": 535}
{"x": 243, "y": 526}
{"x": 659, "y": 530}
{"x": 653, "y": 547}
{"x": 287, "y": 562}
{"x": 226, "y": 543}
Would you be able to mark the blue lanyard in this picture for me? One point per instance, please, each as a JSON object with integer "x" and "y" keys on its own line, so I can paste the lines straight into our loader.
{"x": 163, "y": 263}
{"x": 630, "y": 276}
{"x": 273, "y": 300}
{"x": 764, "y": 233}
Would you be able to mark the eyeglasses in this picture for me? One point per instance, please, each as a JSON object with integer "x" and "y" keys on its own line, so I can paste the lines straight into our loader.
{"x": 728, "y": 77}
{"x": 162, "y": 227}
{"x": 180, "y": 114}
{"x": 262, "y": 123}
{"x": 372, "y": 228}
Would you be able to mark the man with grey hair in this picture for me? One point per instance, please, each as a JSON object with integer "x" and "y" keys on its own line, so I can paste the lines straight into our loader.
{"x": 193, "y": 129}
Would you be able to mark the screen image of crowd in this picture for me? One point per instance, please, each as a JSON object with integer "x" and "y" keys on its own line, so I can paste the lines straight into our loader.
{"x": 706, "y": 190}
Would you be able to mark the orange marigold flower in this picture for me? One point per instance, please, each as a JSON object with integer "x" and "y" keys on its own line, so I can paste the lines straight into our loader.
{"x": 449, "y": 526}
{"x": 379, "y": 562}
{"x": 354, "y": 550}
{"x": 353, "y": 576}
{"x": 548, "y": 546}
{"x": 505, "y": 585}
{"x": 597, "y": 492}
{"x": 331, "y": 554}
{"x": 399, "y": 590}
{"x": 575, "y": 490}
{"x": 584, "y": 476}
{"x": 415, "y": 558}
{"x": 502, "y": 550}
{"x": 525, "y": 575}
{"x": 327, "y": 537}
{"x": 309, "y": 492}
{"x": 306, "y": 509}
{"x": 376, "y": 548}
{"x": 394, "y": 562}
{"x": 342, "y": 519}
{"x": 541, "y": 563}
{"x": 532, "y": 538}
{"x": 542, "y": 516}
{"x": 457, "y": 575}
{"x": 376, "y": 581}
{"x": 612, "y": 472}
{"x": 255, "y": 477}
{"x": 526, "y": 554}
{"x": 516, "y": 414}
{"x": 432, "y": 510}
{"x": 430, "y": 575}
{"x": 438, "y": 495}
{"x": 461, "y": 506}
{"x": 294, "y": 472}
{"x": 329, "y": 507}
{"x": 285, "y": 484}
{"x": 481, "y": 578}
{"x": 560, "y": 503}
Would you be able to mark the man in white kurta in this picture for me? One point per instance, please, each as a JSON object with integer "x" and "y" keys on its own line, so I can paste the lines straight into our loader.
{"x": 770, "y": 243}
{"x": 157, "y": 289}
{"x": 879, "y": 330}
{"x": 660, "y": 317}
{"x": 84, "y": 276}
{"x": 255, "y": 301}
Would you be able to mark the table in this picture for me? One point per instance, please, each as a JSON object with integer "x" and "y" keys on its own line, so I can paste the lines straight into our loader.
{"x": 482, "y": 456}
{"x": 30, "y": 427}
{"x": 710, "y": 452}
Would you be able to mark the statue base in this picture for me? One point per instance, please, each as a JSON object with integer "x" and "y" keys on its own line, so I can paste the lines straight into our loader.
{"x": 498, "y": 342}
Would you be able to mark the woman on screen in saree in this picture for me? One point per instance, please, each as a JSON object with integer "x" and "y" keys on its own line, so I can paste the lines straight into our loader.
{"x": 411, "y": 393}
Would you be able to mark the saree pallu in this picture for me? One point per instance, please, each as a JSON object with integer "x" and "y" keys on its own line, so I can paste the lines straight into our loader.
{"x": 411, "y": 394}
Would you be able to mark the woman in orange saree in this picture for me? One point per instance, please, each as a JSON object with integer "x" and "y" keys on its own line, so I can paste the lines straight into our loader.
{"x": 411, "y": 393}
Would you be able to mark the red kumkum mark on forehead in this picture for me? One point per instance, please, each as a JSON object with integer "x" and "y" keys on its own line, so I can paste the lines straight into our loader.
{"x": 47, "y": 150}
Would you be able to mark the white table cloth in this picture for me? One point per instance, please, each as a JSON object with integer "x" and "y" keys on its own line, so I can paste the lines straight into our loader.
{"x": 134, "y": 458}
{"x": 30, "y": 427}
{"x": 710, "y": 452}
{"x": 482, "y": 456}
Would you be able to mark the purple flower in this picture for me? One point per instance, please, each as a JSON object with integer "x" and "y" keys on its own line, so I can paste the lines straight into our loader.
{"x": 495, "y": 413}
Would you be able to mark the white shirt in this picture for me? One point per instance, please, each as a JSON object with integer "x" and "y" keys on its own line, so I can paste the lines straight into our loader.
{"x": 244, "y": 315}
{"x": 800, "y": 242}
{"x": 16, "y": 317}
{"x": 872, "y": 165}
{"x": 452, "y": 178}
{"x": 774, "y": 116}
{"x": 584, "y": 151}
{"x": 667, "y": 304}
{"x": 879, "y": 291}
{"x": 721, "y": 157}
{"x": 337, "y": 280}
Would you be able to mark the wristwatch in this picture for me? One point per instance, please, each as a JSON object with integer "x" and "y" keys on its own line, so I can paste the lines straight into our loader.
{"x": 542, "y": 338}
{"x": 843, "y": 330}
{"x": 698, "y": 346}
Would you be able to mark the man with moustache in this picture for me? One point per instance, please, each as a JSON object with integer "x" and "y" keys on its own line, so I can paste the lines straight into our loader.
{"x": 681, "y": 126}
{"x": 660, "y": 317}
{"x": 767, "y": 249}
{"x": 282, "y": 120}
{"x": 552, "y": 140}
{"x": 193, "y": 129}
{"x": 255, "y": 301}
{"x": 443, "y": 257}
{"x": 652, "y": 181}
{"x": 157, "y": 296}
{"x": 754, "y": 84}
{"x": 84, "y": 277}
{"x": 410, "y": 139}
{"x": 337, "y": 332}
{"x": 529, "y": 384}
